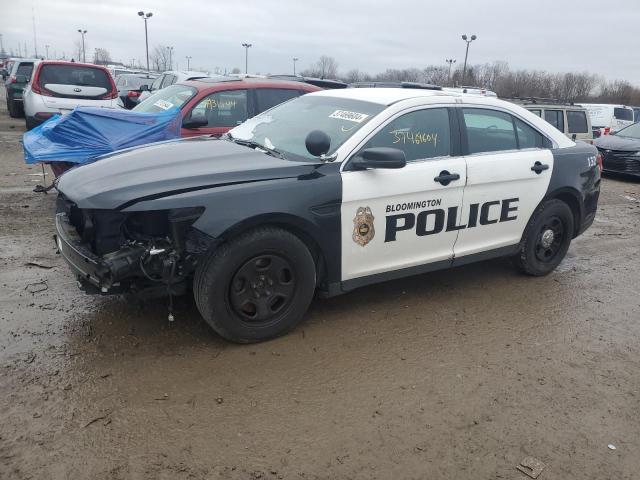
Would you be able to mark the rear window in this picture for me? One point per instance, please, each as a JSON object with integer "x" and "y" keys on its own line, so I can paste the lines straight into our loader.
{"x": 577, "y": 122}
{"x": 623, "y": 113}
{"x": 74, "y": 75}
{"x": 25, "y": 69}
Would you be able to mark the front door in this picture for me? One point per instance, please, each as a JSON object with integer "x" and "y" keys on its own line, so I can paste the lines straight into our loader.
{"x": 395, "y": 219}
{"x": 508, "y": 171}
{"x": 223, "y": 110}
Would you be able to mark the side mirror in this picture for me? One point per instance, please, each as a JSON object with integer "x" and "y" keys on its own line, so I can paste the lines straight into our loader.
{"x": 21, "y": 79}
{"x": 318, "y": 143}
{"x": 378, "y": 157}
{"x": 144, "y": 88}
{"x": 196, "y": 120}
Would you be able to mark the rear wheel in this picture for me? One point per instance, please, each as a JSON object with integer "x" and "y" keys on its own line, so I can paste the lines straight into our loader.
{"x": 257, "y": 286}
{"x": 13, "y": 109}
{"x": 546, "y": 239}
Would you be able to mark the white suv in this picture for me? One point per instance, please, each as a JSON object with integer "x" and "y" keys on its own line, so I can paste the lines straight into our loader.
{"x": 169, "y": 78}
{"x": 59, "y": 87}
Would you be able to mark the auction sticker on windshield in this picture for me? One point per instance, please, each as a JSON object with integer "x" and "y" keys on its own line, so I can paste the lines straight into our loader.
{"x": 347, "y": 115}
{"x": 163, "y": 104}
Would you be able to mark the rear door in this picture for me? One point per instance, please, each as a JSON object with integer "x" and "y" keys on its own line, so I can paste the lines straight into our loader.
{"x": 508, "y": 171}
{"x": 223, "y": 110}
{"x": 396, "y": 219}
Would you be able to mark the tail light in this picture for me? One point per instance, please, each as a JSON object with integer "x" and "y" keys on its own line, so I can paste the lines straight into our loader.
{"x": 599, "y": 162}
{"x": 110, "y": 95}
{"x": 133, "y": 93}
{"x": 607, "y": 130}
{"x": 13, "y": 79}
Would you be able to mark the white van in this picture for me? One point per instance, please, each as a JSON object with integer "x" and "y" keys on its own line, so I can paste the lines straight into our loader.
{"x": 607, "y": 118}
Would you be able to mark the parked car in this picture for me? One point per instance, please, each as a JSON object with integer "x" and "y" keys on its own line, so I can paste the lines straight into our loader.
{"x": 19, "y": 76}
{"x": 130, "y": 86}
{"x": 169, "y": 78}
{"x": 57, "y": 87}
{"x": 636, "y": 114}
{"x": 329, "y": 192}
{"x": 426, "y": 86}
{"x": 621, "y": 151}
{"x": 212, "y": 106}
{"x": 606, "y": 119}
{"x": 572, "y": 120}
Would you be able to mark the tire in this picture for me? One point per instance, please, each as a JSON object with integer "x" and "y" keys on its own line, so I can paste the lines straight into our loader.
{"x": 13, "y": 111}
{"x": 541, "y": 252}
{"x": 31, "y": 124}
{"x": 257, "y": 286}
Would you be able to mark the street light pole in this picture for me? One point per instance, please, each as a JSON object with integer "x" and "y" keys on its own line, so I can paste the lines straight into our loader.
{"x": 450, "y": 61}
{"x": 84, "y": 53}
{"x": 46, "y": 47}
{"x": 246, "y": 57}
{"x": 464, "y": 69}
{"x": 295, "y": 59}
{"x": 145, "y": 17}
{"x": 188, "y": 61}
{"x": 170, "y": 50}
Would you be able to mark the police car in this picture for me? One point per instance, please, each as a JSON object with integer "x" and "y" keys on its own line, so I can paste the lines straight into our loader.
{"x": 326, "y": 193}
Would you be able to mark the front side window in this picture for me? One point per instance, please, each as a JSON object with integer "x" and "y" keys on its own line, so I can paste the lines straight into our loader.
{"x": 223, "y": 109}
{"x": 421, "y": 134}
{"x": 270, "y": 97}
{"x": 174, "y": 96}
{"x": 577, "y": 122}
{"x": 536, "y": 112}
{"x": 555, "y": 118}
{"x": 286, "y": 126}
{"x": 489, "y": 130}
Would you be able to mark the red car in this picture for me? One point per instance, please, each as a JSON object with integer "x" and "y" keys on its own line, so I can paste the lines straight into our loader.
{"x": 213, "y": 106}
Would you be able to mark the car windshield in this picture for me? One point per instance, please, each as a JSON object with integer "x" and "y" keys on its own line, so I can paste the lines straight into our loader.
{"x": 174, "y": 96}
{"x": 632, "y": 131}
{"x": 133, "y": 82}
{"x": 285, "y": 127}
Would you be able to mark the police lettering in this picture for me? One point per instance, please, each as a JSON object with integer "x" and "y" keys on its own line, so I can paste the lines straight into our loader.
{"x": 431, "y": 222}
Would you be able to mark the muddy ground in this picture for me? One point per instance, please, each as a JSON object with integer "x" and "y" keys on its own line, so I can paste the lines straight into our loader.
{"x": 458, "y": 374}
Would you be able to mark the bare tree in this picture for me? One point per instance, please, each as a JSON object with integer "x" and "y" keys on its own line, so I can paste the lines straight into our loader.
{"x": 77, "y": 49}
{"x": 325, "y": 67}
{"x": 101, "y": 56}
{"x": 159, "y": 58}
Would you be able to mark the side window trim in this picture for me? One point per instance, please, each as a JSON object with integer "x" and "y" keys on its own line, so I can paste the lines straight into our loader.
{"x": 454, "y": 137}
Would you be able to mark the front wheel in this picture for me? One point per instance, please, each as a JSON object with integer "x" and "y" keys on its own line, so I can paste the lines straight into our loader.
{"x": 257, "y": 286}
{"x": 546, "y": 238}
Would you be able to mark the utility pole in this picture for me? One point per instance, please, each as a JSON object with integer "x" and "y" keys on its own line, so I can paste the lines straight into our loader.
{"x": 450, "y": 61}
{"x": 464, "y": 69}
{"x": 295, "y": 59}
{"x": 246, "y": 57}
{"x": 46, "y": 47}
{"x": 84, "y": 53}
{"x": 145, "y": 17}
{"x": 188, "y": 62}
{"x": 170, "y": 50}
{"x": 35, "y": 42}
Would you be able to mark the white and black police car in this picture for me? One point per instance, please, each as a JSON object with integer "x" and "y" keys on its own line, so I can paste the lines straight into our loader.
{"x": 327, "y": 192}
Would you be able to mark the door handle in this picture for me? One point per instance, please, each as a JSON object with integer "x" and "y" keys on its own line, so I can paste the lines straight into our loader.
{"x": 445, "y": 178}
{"x": 539, "y": 167}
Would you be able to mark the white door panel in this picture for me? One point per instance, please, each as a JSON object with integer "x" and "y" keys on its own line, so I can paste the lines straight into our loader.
{"x": 402, "y": 236}
{"x": 511, "y": 191}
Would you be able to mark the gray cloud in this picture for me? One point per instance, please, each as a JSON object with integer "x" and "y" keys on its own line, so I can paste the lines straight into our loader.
{"x": 569, "y": 35}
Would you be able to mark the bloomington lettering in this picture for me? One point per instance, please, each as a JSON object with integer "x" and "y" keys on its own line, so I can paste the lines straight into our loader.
{"x": 483, "y": 214}
{"x": 399, "y": 207}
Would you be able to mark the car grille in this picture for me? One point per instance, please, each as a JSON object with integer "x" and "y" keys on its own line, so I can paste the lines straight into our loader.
{"x": 620, "y": 161}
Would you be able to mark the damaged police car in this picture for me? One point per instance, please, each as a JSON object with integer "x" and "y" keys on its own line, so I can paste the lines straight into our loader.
{"x": 326, "y": 192}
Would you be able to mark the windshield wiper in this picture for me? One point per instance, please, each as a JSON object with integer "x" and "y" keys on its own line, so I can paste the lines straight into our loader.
{"x": 255, "y": 145}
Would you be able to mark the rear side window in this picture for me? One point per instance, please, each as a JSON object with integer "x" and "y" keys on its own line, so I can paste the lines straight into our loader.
{"x": 577, "y": 122}
{"x": 555, "y": 118}
{"x": 528, "y": 137}
{"x": 168, "y": 80}
{"x": 157, "y": 82}
{"x": 421, "y": 134}
{"x": 74, "y": 75}
{"x": 25, "y": 69}
{"x": 270, "y": 97}
{"x": 623, "y": 113}
{"x": 536, "y": 112}
{"x": 223, "y": 109}
{"x": 489, "y": 130}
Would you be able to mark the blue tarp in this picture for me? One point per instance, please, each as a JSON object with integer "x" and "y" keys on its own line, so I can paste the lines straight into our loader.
{"x": 88, "y": 132}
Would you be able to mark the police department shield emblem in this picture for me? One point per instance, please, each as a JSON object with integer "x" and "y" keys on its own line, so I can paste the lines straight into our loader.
{"x": 363, "y": 231}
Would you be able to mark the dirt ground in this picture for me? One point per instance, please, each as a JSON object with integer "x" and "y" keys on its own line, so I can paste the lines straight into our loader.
{"x": 457, "y": 374}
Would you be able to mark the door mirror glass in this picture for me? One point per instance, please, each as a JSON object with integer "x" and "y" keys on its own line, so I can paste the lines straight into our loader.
{"x": 378, "y": 157}
{"x": 196, "y": 120}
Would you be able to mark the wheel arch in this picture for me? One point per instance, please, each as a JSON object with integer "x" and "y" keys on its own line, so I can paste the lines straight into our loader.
{"x": 301, "y": 228}
{"x": 572, "y": 198}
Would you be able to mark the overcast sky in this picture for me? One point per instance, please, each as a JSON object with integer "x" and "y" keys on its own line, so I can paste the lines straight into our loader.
{"x": 562, "y": 35}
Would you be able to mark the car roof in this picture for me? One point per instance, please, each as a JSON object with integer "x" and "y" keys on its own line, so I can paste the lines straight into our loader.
{"x": 387, "y": 96}
{"x": 212, "y": 82}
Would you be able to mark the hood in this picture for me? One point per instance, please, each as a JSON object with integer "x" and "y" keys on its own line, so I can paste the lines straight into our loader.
{"x": 614, "y": 142}
{"x": 168, "y": 168}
